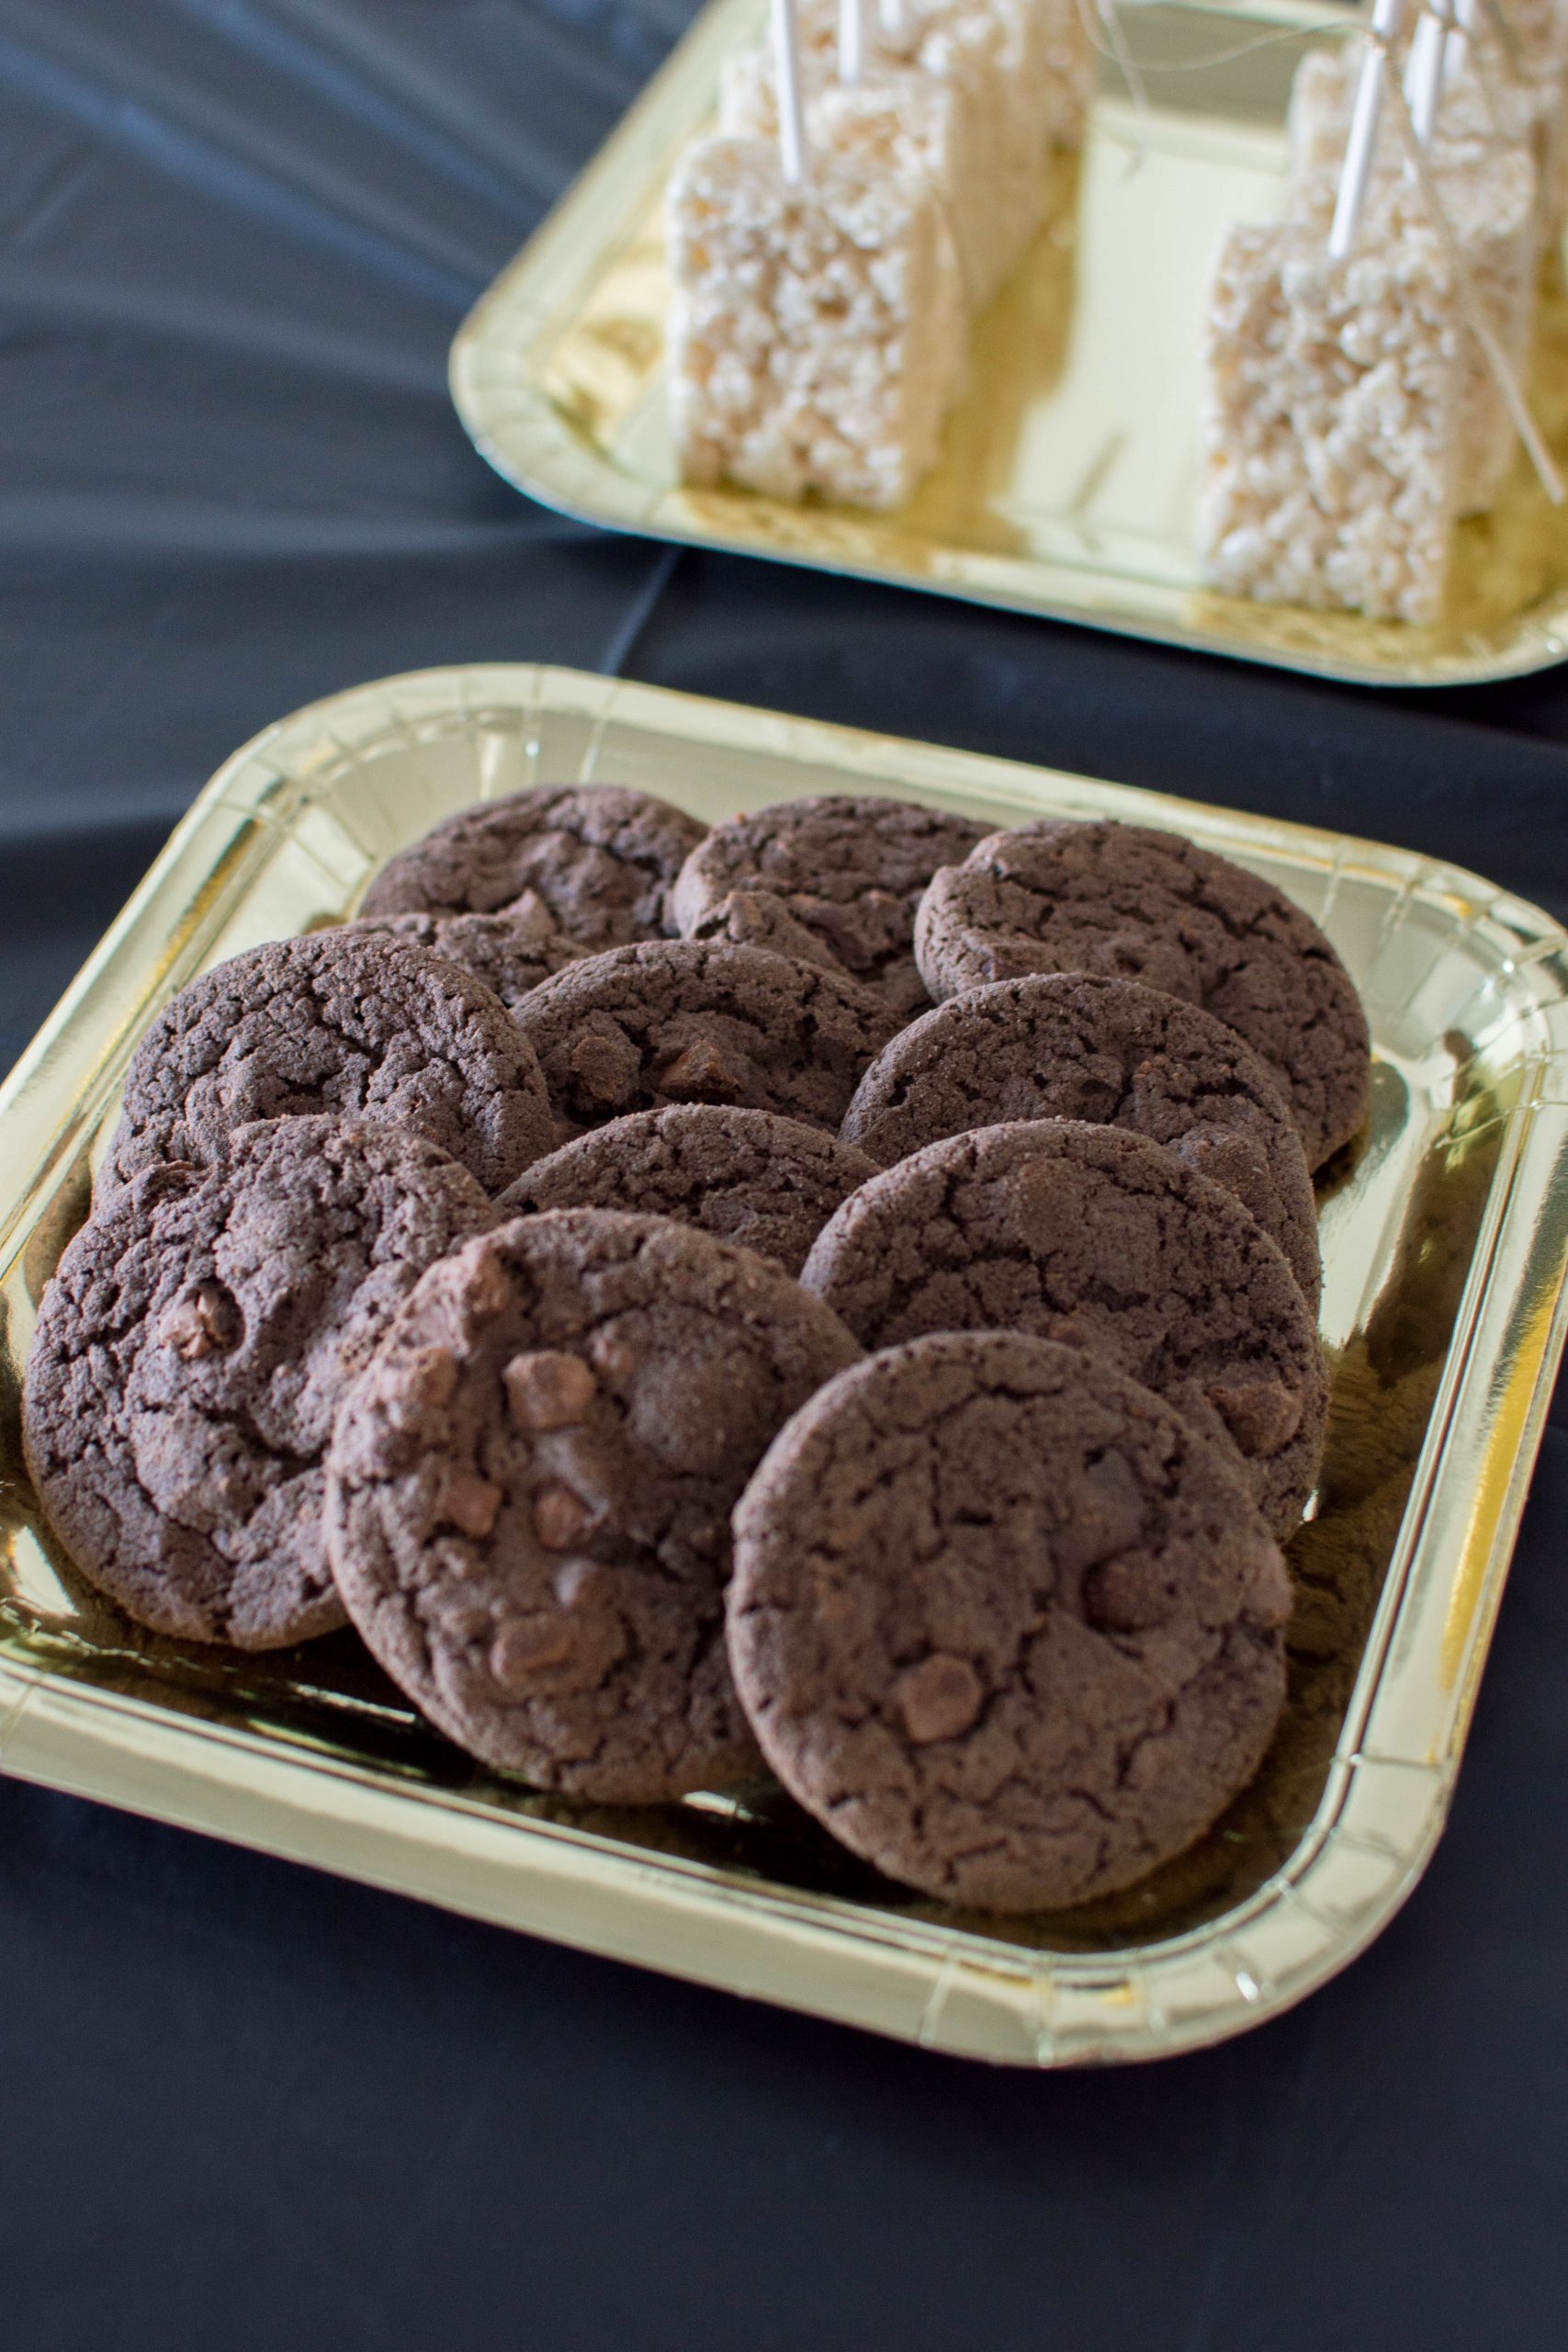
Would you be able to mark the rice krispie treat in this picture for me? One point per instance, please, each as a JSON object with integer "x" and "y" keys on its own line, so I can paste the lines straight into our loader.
{"x": 1537, "y": 74}
{"x": 1071, "y": 70}
{"x": 1042, "y": 48}
{"x": 1527, "y": 69}
{"x": 939, "y": 131}
{"x": 1331, "y": 422}
{"x": 1470, "y": 114}
{"x": 1492, "y": 89}
{"x": 1488, "y": 187}
{"x": 970, "y": 93}
{"x": 816, "y": 330}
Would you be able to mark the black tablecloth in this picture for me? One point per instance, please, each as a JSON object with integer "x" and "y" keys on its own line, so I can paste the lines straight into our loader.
{"x": 244, "y": 2106}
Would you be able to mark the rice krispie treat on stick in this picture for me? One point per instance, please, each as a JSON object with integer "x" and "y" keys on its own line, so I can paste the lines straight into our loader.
{"x": 899, "y": 123}
{"x": 1331, "y": 422}
{"x": 1042, "y": 48}
{"x": 1524, "y": 42}
{"x": 1486, "y": 184}
{"x": 1503, "y": 77}
{"x": 1487, "y": 100}
{"x": 971, "y": 93}
{"x": 817, "y": 326}
{"x": 1071, "y": 70}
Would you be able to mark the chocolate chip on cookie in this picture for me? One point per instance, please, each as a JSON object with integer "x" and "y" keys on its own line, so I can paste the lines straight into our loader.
{"x": 190, "y": 1353}
{"x": 1079, "y": 1045}
{"x": 848, "y": 869}
{"x": 335, "y": 1022}
{"x": 767, "y": 1184}
{"x": 1098, "y": 1238}
{"x": 1004, "y": 1622}
{"x": 689, "y": 1021}
{"x": 596, "y": 860}
{"x": 1152, "y": 906}
{"x": 530, "y": 1492}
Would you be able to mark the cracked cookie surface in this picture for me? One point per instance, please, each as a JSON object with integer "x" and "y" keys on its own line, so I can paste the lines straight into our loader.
{"x": 693, "y": 1021}
{"x": 1097, "y": 1238}
{"x": 1004, "y": 1622}
{"x": 192, "y": 1349}
{"x": 847, "y": 869}
{"x": 510, "y": 953}
{"x": 356, "y": 1026}
{"x": 1151, "y": 906}
{"x": 1078, "y": 1046}
{"x": 750, "y": 1177}
{"x": 595, "y": 860}
{"x": 530, "y": 1492}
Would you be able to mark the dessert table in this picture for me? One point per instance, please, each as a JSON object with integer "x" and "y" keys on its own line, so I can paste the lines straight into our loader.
{"x": 252, "y": 2105}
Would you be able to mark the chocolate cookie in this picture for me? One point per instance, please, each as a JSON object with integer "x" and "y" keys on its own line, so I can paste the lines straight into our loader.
{"x": 1153, "y": 907}
{"x": 1004, "y": 1622}
{"x": 191, "y": 1351}
{"x": 756, "y": 919}
{"x": 1076, "y": 1046}
{"x": 769, "y": 1184}
{"x": 597, "y": 859}
{"x": 1098, "y": 1238}
{"x": 688, "y": 1020}
{"x": 530, "y": 1492}
{"x": 849, "y": 869}
{"x": 335, "y": 1022}
{"x": 510, "y": 954}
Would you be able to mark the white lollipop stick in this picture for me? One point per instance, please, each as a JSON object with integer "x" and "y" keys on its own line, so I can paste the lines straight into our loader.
{"x": 1359, "y": 148}
{"x": 852, "y": 41}
{"x": 890, "y": 17}
{"x": 792, "y": 113}
{"x": 1456, "y": 48}
{"x": 1424, "y": 69}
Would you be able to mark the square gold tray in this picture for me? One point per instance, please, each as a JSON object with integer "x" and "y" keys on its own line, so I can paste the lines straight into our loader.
{"x": 1067, "y": 485}
{"x": 1446, "y": 1240}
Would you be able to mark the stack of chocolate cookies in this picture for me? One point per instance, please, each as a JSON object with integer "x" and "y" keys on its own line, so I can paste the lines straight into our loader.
{"x": 834, "y": 1293}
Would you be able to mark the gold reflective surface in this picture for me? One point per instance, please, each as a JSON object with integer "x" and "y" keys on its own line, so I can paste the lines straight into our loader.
{"x": 1068, "y": 480}
{"x": 1445, "y": 1233}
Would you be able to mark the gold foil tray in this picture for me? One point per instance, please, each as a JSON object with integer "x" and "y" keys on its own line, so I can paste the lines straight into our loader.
{"x": 1067, "y": 484}
{"x": 1445, "y": 1235}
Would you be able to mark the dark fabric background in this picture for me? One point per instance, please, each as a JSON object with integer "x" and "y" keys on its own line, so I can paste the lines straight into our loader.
{"x": 245, "y": 2107}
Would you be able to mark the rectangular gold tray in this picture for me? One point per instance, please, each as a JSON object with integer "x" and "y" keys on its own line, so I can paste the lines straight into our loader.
{"x": 1067, "y": 484}
{"x": 1446, "y": 1242}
